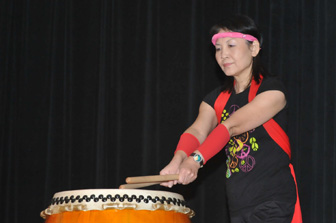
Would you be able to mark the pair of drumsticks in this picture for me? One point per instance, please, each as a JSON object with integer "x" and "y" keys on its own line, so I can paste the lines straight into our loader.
{"x": 146, "y": 181}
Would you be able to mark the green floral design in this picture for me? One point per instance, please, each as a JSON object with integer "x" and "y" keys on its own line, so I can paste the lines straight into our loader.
{"x": 254, "y": 144}
{"x": 225, "y": 115}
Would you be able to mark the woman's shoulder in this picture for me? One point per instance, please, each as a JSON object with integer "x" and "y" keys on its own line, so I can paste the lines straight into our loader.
{"x": 211, "y": 97}
{"x": 272, "y": 83}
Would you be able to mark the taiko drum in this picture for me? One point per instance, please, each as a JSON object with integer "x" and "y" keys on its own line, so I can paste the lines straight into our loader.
{"x": 117, "y": 205}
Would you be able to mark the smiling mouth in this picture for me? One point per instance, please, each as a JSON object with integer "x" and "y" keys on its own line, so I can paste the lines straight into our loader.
{"x": 226, "y": 64}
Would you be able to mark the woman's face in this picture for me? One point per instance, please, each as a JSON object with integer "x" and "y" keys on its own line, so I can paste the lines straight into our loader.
{"x": 234, "y": 56}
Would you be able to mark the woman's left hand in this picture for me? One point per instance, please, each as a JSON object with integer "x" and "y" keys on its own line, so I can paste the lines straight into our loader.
{"x": 188, "y": 171}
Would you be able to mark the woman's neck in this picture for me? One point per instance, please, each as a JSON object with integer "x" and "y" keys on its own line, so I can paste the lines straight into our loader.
{"x": 242, "y": 83}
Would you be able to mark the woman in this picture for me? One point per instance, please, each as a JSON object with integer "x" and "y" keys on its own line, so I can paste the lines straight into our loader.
{"x": 246, "y": 117}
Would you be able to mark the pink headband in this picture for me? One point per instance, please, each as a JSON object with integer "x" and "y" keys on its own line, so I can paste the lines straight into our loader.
{"x": 233, "y": 35}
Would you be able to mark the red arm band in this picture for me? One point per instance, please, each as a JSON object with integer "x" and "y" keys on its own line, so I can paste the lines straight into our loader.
{"x": 188, "y": 143}
{"x": 215, "y": 142}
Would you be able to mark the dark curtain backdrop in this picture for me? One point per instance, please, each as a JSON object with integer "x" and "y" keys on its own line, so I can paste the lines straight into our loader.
{"x": 92, "y": 92}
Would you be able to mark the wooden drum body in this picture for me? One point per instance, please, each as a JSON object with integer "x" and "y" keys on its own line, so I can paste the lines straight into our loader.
{"x": 116, "y": 206}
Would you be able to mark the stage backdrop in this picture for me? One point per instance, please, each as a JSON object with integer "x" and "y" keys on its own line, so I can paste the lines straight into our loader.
{"x": 92, "y": 92}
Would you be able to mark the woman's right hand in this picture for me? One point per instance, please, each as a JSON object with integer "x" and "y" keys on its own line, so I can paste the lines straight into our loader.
{"x": 206, "y": 121}
{"x": 173, "y": 167}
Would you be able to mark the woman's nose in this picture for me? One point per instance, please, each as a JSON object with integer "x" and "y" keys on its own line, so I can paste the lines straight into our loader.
{"x": 223, "y": 54}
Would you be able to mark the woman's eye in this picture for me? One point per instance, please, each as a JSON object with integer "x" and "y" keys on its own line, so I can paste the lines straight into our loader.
{"x": 232, "y": 45}
{"x": 218, "y": 49}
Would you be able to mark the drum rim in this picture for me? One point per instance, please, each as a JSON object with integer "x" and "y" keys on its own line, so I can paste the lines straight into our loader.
{"x": 116, "y": 190}
{"x": 169, "y": 201}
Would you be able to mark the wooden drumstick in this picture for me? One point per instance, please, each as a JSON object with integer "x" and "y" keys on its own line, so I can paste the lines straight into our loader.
{"x": 137, "y": 185}
{"x": 150, "y": 179}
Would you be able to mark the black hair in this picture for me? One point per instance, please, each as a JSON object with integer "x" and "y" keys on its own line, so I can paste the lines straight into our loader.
{"x": 242, "y": 24}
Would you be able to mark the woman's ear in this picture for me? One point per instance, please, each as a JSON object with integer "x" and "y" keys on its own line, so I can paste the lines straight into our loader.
{"x": 255, "y": 47}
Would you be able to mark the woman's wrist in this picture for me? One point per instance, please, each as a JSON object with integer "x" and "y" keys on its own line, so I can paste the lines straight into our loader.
{"x": 194, "y": 163}
{"x": 215, "y": 142}
{"x": 179, "y": 156}
{"x": 187, "y": 143}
